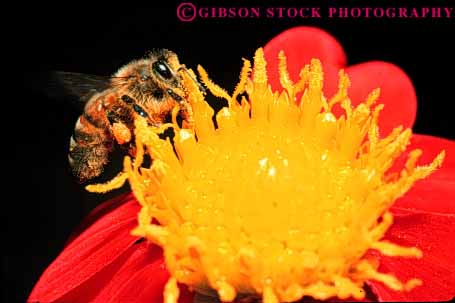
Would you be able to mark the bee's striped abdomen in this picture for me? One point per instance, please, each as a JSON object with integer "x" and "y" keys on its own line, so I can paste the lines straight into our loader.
{"x": 91, "y": 142}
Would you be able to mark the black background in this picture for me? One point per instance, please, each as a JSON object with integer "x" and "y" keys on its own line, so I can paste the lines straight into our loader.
{"x": 46, "y": 203}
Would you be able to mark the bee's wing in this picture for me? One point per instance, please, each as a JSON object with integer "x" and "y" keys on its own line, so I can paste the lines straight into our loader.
{"x": 78, "y": 88}
{"x": 81, "y": 86}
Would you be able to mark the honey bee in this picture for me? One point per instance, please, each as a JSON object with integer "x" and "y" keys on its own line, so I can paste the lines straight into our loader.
{"x": 149, "y": 88}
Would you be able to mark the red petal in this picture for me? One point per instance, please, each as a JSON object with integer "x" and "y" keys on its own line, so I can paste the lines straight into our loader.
{"x": 436, "y": 193}
{"x": 99, "y": 211}
{"x": 139, "y": 275}
{"x": 104, "y": 241}
{"x": 433, "y": 234}
{"x": 141, "y": 280}
{"x": 301, "y": 44}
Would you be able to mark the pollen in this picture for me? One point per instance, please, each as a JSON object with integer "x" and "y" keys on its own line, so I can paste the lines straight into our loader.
{"x": 282, "y": 199}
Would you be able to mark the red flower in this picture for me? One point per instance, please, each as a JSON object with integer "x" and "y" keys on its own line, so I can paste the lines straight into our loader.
{"x": 104, "y": 263}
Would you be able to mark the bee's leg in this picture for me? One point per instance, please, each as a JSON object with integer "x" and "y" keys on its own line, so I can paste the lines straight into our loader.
{"x": 121, "y": 132}
{"x": 119, "y": 117}
{"x": 132, "y": 150}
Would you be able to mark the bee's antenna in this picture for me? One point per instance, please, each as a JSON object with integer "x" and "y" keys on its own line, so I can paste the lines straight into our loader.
{"x": 202, "y": 88}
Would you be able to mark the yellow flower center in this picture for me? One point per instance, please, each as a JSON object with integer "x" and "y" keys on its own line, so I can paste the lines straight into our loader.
{"x": 281, "y": 200}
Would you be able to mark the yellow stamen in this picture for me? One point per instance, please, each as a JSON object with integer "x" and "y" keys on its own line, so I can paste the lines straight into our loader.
{"x": 171, "y": 291}
{"x": 115, "y": 183}
{"x": 240, "y": 88}
{"x": 283, "y": 199}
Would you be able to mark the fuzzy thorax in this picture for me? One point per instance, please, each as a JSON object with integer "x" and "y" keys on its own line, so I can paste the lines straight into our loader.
{"x": 283, "y": 199}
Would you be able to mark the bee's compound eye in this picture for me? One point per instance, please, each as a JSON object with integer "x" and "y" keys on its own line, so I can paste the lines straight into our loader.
{"x": 161, "y": 68}
{"x": 140, "y": 110}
